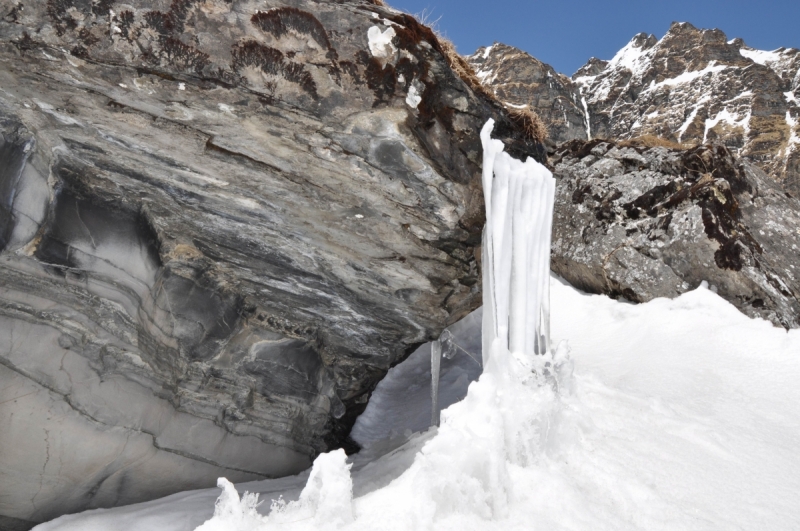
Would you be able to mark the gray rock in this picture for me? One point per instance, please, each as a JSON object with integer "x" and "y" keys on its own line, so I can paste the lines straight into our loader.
{"x": 221, "y": 223}
{"x": 666, "y": 219}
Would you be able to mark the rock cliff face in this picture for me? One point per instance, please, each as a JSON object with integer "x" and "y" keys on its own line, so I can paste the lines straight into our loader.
{"x": 643, "y": 222}
{"x": 221, "y": 222}
{"x": 692, "y": 86}
{"x": 521, "y": 80}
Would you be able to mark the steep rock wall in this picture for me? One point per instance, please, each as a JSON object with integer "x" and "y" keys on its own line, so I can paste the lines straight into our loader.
{"x": 221, "y": 222}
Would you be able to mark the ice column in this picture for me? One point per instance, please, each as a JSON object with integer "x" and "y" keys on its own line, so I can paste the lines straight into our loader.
{"x": 519, "y": 200}
{"x": 436, "y": 364}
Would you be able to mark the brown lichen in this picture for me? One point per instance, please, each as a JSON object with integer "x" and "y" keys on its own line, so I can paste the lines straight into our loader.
{"x": 279, "y": 22}
{"x": 185, "y": 56}
{"x": 271, "y": 61}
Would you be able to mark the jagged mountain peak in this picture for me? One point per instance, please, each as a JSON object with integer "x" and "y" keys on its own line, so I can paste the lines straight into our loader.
{"x": 695, "y": 85}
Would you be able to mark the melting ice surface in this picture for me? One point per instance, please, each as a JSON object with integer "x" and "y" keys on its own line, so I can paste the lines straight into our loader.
{"x": 680, "y": 414}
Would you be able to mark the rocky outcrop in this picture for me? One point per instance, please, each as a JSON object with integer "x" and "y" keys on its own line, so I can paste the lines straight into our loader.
{"x": 643, "y": 222}
{"x": 694, "y": 86}
{"x": 221, "y": 222}
{"x": 522, "y": 81}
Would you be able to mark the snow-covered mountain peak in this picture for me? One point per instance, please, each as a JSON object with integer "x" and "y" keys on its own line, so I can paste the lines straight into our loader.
{"x": 635, "y": 54}
{"x": 695, "y": 85}
{"x": 691, "y": 86}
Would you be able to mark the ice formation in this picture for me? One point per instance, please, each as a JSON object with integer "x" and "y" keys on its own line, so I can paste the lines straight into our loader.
{"x": 436, "y": 364}
{"x": 516, "y": 250}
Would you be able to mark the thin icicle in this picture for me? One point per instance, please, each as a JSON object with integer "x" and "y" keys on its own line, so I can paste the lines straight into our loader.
{"x": 436, "y": 364}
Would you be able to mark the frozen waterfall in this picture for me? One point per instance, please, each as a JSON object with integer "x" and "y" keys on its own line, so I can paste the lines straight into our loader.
{"x": 519, "y": 200}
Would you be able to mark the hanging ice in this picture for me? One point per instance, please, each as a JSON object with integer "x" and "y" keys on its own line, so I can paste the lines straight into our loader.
{"x": 516, "y": 250}
{"x": 436, "y": 364}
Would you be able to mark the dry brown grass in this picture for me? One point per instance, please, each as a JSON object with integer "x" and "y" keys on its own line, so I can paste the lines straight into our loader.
{"x": 461, "y": 67}
{"x": 530, "y": 122}
{"x": 655, "y": 141}
{"x": 526, "y": 118}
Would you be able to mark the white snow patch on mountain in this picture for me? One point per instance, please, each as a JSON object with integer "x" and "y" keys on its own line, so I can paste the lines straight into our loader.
{"x": 688, "y": 77}
{"x": 760, "y": 56}
{"x": 726, "y": 116}
{"x": 632, "y": 57}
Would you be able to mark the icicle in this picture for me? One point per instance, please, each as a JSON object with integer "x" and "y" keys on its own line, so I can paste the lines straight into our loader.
{"x": 516, "y": 250}
{"x": 436, "y": 364}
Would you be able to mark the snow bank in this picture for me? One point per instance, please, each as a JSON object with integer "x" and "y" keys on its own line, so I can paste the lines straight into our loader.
{"x": 682, "y": 415}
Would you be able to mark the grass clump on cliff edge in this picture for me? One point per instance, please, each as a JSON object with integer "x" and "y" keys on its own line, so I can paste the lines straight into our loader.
{"x": 530, "y": 122}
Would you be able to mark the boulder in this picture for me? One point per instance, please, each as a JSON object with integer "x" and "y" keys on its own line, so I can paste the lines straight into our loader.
{"x": 640, "y": 222}
{"x": 221, "y": 223}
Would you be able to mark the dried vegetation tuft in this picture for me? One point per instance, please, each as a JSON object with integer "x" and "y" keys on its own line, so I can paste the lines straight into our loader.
{"x": 530, "y": 122}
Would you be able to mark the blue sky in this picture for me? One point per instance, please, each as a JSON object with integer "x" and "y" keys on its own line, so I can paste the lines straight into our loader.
{"x": 565, "y": 33}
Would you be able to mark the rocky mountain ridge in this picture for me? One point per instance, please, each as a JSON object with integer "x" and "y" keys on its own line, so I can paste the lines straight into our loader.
{"x": 692, "y": 86}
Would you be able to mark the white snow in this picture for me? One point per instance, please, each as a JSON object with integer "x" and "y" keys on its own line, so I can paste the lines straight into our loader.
{"x": 632, "y": 57}
{"x": 726, "y": 116}
{"x": 760, "y": 56}
{"x": 483, "y": 76}
{"x": 683, "y": 417}
{"x": 790, "y": 98}
{"x": 380, "y": 42}
{"x": 688, "y": 77}
{"x": 413, "y": 98}
{"x": 487, "y": 51}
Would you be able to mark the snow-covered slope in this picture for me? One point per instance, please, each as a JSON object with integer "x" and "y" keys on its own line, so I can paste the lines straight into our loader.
{"x": 682, "y": 415}
{"x": 691, "y": 86}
